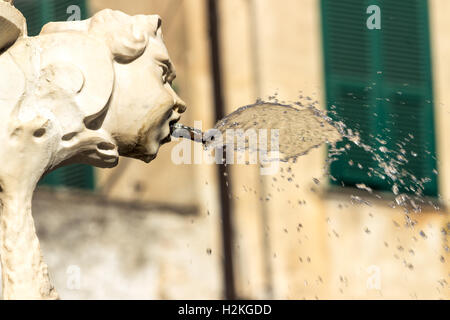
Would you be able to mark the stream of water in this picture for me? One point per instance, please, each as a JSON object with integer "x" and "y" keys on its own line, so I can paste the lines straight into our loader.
{"x": 299, "y": 129}
{"x": 302, "y": 126}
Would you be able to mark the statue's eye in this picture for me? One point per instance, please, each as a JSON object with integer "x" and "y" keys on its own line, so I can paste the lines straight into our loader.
{"x": 165, "y": 69}
{"x": 168, "y": 74}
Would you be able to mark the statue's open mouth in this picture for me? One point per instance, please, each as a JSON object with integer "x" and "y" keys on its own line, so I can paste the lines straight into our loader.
{"x": 172, "y": 126}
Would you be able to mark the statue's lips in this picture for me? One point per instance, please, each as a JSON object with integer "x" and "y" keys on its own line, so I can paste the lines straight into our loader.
{"x": 167, "y": 139}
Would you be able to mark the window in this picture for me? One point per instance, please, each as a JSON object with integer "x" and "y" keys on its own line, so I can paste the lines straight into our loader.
{"x": 80, "y": 176}
{"x": 379, "y": 83}
{"x": 38, "y": 13}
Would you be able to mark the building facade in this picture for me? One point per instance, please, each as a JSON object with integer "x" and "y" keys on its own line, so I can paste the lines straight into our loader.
{"x": 298, "y": 234}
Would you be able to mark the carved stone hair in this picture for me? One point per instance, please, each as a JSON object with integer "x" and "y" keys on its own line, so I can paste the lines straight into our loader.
{"x": 126, "y": 36}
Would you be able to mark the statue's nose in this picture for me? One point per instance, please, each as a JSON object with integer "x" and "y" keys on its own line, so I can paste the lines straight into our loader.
{"x": 179, "y": 105}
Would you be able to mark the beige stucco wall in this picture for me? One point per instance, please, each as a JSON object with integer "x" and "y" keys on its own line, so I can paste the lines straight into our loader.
{"x": 440, "y": 37}
{"x": 340, "y": 247}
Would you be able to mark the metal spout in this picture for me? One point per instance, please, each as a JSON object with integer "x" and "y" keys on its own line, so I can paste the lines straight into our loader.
{"x": 179, "y": 130}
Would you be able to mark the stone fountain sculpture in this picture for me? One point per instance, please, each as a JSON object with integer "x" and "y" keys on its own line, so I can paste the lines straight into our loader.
{"x": 80, "y": 92}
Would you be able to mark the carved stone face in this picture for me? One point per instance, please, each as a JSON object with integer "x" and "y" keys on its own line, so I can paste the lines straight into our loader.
{"x": 125, "y": 94}
{"x": 143, "y": 103}
{"x": 102, "y": 85}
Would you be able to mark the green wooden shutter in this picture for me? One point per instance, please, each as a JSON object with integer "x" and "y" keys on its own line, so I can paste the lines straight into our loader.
{"x": 378, "y": 82}
{"x": 78, "y": 176}
{"x": 407, "y": 85}
{"x": 32, "y": 10}
{"x": 38, "y": 13}
{"x": 351, "y": 94}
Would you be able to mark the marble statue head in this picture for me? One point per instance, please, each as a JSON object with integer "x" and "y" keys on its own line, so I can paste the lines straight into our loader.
{"x": 143, "y": 103}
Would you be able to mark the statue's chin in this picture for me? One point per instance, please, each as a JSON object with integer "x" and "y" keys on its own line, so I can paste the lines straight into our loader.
{"x": 153, "y": 148}
{"x": 143, "y": 153}
{"x": 148, "y": 158}
{"x": 148, "y": 149}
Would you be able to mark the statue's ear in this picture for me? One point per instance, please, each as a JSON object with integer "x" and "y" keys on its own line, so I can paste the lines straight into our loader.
{"x": 65, "y": 76}
{"x": 62, "y": 82}
{"x": 82, "y": 66}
